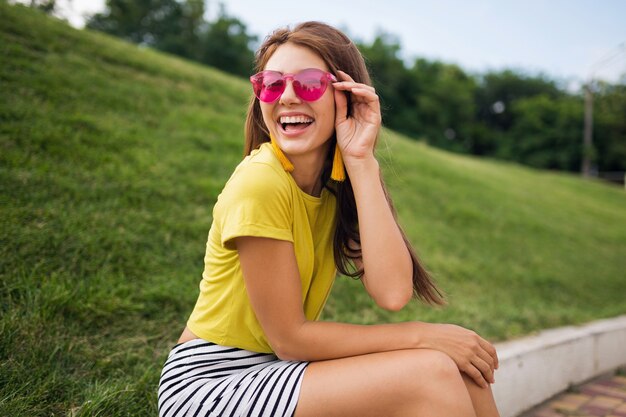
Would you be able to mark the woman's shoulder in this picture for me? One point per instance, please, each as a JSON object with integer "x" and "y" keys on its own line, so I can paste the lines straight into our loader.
{"x": 257, "y": 193}
{"x": 259, "y": 173}
{"x": 261, "y": 161}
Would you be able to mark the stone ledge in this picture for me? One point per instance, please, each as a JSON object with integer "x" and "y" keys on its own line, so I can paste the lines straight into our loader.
{"x": 535, "y": 368}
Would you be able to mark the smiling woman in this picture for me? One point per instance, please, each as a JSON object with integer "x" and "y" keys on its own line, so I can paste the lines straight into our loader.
{"x": 307, "y": 201}
{"x": 304, "y": 99}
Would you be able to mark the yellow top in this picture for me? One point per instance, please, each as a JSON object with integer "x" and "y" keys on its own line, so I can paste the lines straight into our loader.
{"x": 262, "y": 199}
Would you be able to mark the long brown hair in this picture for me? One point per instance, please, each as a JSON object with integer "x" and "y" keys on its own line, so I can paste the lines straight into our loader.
{"x": 338, "y": 52}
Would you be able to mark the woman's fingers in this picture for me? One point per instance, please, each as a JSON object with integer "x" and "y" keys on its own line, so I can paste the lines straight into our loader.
{"x": 486, "y": 354}
{"x": 491, "y": 351}
{"x": 485, "y": 369}
{"x": 368, "y": 95}
{"x": 344, "y": 75}
{"x": 361, "y": 94}
{"x": 480, "y": 371}
{"x": 474, "y": 373}
{"x": 488, "y": 359}
{"x": 349, "y": 85}
{"x": 357, "y": 88}
{"x": 473, "y": 355}
{"x": 347, "y": 80}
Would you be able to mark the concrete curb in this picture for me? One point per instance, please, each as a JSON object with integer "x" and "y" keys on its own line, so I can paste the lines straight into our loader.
{"x": 535, "y": 368}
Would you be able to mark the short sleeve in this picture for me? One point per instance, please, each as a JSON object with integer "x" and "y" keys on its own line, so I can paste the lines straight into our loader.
{"x": 254, "y": 202}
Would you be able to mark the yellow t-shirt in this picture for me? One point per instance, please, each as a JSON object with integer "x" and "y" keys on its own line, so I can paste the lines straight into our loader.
{"x": 262, "y": 199}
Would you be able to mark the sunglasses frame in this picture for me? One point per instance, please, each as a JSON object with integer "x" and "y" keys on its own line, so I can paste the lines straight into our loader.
{"x": 258, "y": 85}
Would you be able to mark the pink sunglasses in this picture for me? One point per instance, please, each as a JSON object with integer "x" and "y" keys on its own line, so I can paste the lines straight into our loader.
{"x": 309, "y": 84}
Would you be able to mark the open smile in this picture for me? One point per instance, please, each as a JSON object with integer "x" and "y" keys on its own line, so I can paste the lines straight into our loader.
{"x": 295, "y": 125}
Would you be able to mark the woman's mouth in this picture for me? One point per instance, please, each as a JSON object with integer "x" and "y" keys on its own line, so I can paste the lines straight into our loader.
{"x": 294, "y": 125}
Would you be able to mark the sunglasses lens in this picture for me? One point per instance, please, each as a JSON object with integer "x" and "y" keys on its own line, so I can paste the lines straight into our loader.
{"x": 310, "y": 84}
{"x": 268, "y": 85}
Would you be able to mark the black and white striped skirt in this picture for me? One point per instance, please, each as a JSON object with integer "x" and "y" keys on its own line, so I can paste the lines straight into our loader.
{"x": 202, "y": 379}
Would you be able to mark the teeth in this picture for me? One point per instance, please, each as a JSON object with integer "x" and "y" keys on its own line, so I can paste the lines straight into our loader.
{"x": 295, "y": 119}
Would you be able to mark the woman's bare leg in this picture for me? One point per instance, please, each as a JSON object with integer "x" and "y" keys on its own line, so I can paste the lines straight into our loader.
{"x": 482, "y": 398}
{"x": 417, "y": 382}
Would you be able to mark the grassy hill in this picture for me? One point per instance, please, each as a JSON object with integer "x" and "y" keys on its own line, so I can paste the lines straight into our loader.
{"x": 111, "y": 157}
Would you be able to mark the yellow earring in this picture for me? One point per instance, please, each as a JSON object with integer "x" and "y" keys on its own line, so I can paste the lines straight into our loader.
{"x": 338, "y": 172}
{"x": 287, "y": 165}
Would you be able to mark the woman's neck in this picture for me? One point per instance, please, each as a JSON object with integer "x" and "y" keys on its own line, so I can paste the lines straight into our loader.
{"x": 307, "y": 171}
{"x": 308, "y": 178}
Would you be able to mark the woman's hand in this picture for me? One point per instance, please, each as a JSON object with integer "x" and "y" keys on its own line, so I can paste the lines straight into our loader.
{"x": 473, "y": 355}
{"x": 356, "y": 135}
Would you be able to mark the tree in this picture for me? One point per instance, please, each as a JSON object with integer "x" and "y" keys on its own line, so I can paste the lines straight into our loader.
{"x": 193, "y": 26}
{"x": 156, "y": 23}
{"x": 390, "y": 78}
{"x": 226, "y": 45}
{"x": 430, "y": 99}
{"x": 444, "y": 106}
{"x": 179, "y": 27}
{"x": 498, "y": 90}
{"x": 48, "y": 6}
{"x": 609, "y": 136}
{"x": 546, "y": 132}
{"x": 494, "y": 97}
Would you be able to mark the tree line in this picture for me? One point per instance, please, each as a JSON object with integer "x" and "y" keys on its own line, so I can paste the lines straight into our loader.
{"x": 506, "y": 114}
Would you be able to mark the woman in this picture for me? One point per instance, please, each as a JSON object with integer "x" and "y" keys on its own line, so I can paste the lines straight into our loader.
{"x": 305, "y": 201}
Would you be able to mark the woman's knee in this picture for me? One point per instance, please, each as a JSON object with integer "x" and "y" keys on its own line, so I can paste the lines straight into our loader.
{"x": 431, "y": 381}
{"x": 431, "y": 361}
{"x": 433, "y": 366}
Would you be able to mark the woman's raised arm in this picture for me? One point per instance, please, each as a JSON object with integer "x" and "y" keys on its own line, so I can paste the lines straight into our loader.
{"x": 388, "y": 276}
{"x": 386, "y": 259}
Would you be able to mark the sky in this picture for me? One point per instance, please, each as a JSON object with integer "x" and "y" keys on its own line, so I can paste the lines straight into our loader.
{"x": 567, "y": 40}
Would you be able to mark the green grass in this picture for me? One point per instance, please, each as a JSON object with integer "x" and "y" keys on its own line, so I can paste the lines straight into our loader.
{"x": 111, "y": 157}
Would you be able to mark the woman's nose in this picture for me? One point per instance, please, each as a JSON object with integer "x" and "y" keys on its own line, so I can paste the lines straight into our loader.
{"x": 289, "y": 96}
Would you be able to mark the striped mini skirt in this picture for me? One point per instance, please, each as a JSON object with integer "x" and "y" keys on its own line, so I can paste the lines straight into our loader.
{"x": 202, "y": 379}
